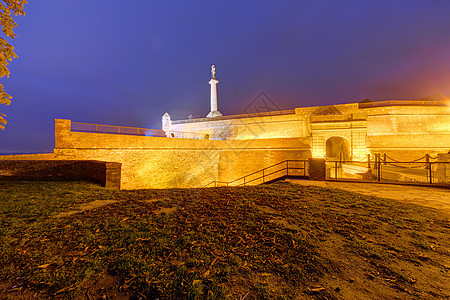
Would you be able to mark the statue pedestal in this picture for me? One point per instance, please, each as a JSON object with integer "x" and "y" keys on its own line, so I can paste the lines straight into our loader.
{"x": 213, "y": 114}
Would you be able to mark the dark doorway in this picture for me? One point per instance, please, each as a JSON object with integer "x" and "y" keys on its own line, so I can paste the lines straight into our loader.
{"x": 335, "y": 146}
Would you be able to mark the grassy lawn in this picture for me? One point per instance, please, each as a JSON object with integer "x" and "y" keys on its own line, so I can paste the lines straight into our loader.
{"x": 278, "y": 241}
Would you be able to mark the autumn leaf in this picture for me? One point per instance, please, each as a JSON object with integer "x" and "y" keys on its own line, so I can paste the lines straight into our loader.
{"x": 8, "y": 8}
{"x": 196, "y": 281}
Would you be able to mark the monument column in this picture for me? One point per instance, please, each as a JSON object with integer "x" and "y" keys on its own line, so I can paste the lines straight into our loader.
{"x": 213, "y": 82}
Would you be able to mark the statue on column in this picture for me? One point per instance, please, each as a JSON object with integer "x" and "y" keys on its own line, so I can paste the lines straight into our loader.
{"x": 213, "y": 82}
{"x": 213, "y": 71}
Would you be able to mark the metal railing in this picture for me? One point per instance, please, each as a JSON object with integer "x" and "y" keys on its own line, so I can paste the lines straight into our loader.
{"x": 242, "y": 116}
{"x": 403, "y": 103}
{"x": 383, "y": 168}
{"x": 188, "y": 135}
{"x": 279, "y": 171}
{"x": 111, "y": 129}
{"x": 125, "y": 130}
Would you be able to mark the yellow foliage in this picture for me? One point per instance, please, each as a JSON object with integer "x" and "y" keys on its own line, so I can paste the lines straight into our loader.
{"x": 8, "y": 8}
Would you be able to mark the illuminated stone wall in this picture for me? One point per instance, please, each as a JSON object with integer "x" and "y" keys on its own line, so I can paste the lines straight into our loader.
{"x": 108, "y": 174}
{"x": 246, "y": 144}
{"x": 408, "y": 132}
{"x": 281, "y": 126}
{"x": 155, "y": 162}
{"x": 402, "y": 132}
{"x": 351, "y": 127}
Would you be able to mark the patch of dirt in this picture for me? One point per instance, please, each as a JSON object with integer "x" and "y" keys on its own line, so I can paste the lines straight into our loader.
{"x": 278, "y": 218}
{"x": 427, "y": 196}
{"x": 357, "y": 278}
{"x": 165, "y": 210}
{"x": 155, "y": 200}
{"x": 108, "y": 287}
{"x": 8, "y": 291}
{"x": 85, "y": 207}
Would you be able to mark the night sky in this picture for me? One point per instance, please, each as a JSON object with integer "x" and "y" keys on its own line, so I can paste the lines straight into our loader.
{"x": 128, "y": 62}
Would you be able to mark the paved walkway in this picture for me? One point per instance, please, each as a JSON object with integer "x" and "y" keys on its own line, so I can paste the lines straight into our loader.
{"x": 425, "y": 196}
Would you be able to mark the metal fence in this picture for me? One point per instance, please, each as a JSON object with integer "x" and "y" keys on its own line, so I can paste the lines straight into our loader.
{"x": 383, "y": 168}
{"x": 111, "y": 129}
{"x": 281, "y": 170}
{"x": 188, "y": 135}
{"x": 241, "y": 116}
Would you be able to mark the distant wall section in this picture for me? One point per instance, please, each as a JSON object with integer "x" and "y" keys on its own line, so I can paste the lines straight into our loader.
{"x": 287, "y": 125}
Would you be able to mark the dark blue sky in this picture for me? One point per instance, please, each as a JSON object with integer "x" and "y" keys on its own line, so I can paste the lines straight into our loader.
{"x": 128, "y": 62}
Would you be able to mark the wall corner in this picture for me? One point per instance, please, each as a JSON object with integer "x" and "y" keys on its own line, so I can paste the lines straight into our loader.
{"x": 62, "y": 132}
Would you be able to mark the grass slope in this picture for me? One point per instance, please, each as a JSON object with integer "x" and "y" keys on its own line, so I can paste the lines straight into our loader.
{"x": 278, "y": 241}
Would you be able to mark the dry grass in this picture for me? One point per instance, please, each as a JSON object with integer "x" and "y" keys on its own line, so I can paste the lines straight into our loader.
{"x": 278, "y": 241}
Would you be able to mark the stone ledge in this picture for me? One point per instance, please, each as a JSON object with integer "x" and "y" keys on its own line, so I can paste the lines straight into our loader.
{"x": 107, "y": 174}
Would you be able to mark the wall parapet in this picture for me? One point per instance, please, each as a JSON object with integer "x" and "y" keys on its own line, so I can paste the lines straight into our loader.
{"x": 241, "y": 116}
{"x": 108, "y": 174}
{"x": 403, "y": 103}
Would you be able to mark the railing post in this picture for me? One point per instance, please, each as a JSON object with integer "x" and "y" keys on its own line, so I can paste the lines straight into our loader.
{"x": 335, "y": 169}
{"x": 263, "y": 176}
{"x": 384, "y": 159}
{"x": 287, "y": 168}
{"x": 244, "y": 181}
{"x": 430, "y": 172}
{"x": 380, "y": 170}
{"x": 379, "y": 167}
{"x": 368, "y": 161}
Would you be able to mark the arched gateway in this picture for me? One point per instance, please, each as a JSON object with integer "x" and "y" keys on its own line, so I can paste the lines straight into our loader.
{"x": 335, "y": 146}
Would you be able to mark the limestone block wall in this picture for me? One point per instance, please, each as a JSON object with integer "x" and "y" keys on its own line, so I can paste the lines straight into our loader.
{"x": 236, "y": 164}
{"x": 408, "y": 132}
{"x": 408, "y": 120}
{"x": 352, "y": 128}
{"x": 106, "y": 173}
{"x": 317, "y": 169}
{"x": 443, "y": 168}
{"x": 38, "y": 156}
{"x": 146, "y": 168}
{"x": 171, "y": 168}
{"x": 158, "y": 162}
{"x": 278, "y": 126}
{"x": 250, "y": 143}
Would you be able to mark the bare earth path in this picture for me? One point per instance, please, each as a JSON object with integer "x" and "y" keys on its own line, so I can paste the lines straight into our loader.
{"x": 426, "y": 196}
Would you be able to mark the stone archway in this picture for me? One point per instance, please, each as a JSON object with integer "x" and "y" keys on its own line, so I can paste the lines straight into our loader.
{"x": 335, "y": 146}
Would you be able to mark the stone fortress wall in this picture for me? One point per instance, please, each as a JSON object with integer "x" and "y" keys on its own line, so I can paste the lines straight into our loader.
{"x": 158, "y": 162}
{"x": 234, "y": 146}
{"x": 402, "y": 129}
{"x": 409, "y": 132}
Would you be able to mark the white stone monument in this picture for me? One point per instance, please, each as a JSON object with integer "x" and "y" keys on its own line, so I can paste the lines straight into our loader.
{"x": 166, "y": 122}
{"x": 214, "y": 111}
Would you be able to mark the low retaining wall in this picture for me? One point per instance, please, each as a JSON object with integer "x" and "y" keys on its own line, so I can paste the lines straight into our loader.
{"x": 107, "y": 174}
{"x": 317, "y": 169}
